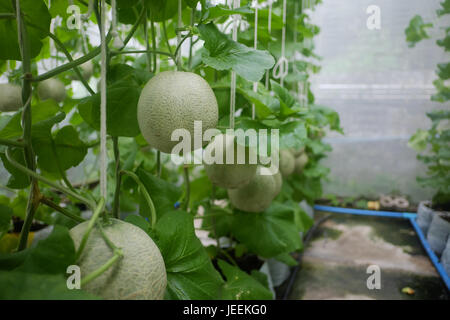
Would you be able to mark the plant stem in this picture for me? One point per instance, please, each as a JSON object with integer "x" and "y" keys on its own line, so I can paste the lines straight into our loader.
{"x": 152, "y": 28}
{"x": 167, "y": 39}
{"x": 69, "y": 57}
{"x": 52, "y": 184}
{"x": 147, "y": 44}
{"x": 191, "y": 40}
{"x": 188, "y": 187}
{"x": 114, "y": 53}
{"x": 7, "y": 16}
{"x": 11, "y": 143}
{"x": 116, "y": 203}
{"x": 158, "y": 163}
{"x": 51, "y": 204}
{"x": 117, "y": 254}
{"x": 34, "y": 195}
{"x": 134, "y": 28}
{"x": 145, "y": 193}
{"x": 176, "y": 54}
{"x": 92, "y": 221}
{"x": 71, "y": 64}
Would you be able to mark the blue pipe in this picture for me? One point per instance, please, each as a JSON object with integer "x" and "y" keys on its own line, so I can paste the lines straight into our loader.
{"x": 405, "y": 215}
{"x": 440, "y": 269}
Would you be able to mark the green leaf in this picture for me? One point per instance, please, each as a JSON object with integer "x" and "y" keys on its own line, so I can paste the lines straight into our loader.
{"x": 221, "y": 10}
{"x": 223, "y": 53}
{"x": 5, "y": 218}
{"x": 18, "y": 285}
{"x": 51, "y": 255}
{"x": 62, "y": 152}
{"x": 190, "y": 273}
{"x": 276, "y": 234}
{"x": 293, "y": 135}
{"x": 35, "y": 13}
{"x": 419, "y": 140}
{"x": 241, "y": 286}
{"x": 18, "y": 179}
{"x": 121, "y": 109}
{"x": 162, "y": 10}
{"x": 416, "y": 30}
{"x": 39, "y": 112}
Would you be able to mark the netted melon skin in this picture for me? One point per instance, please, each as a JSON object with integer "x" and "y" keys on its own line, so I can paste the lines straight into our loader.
{"x": 139, "y": 275}
{"x": 300, "y": 163}
{"x": 231, "y": 175}
{"x": 287, "y": 163}
{"x": 257, "y": 195}
{"x": 52, "y": 89}
{"x": 10, "y": 97}
{"x": 174, "y": 100}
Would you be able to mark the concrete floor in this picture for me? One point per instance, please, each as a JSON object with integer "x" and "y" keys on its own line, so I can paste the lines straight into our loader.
{"x": 335, "y": 262}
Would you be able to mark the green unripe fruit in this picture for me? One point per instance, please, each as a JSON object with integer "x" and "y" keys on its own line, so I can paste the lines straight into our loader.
{"x": 300, "y": 163}
{"x": 230, "y": 175}
{"x": 139, "y": 274}
{"x": 287, "y": 163}
{"x": 257, "y": 195}
{"x": 52, "y": 89}
{"x": 174, "y": 100}
{"x": 297, "y": 152}
{"x": 10, "y": 97}
{"x": 86, "y": 69}
{"x": 278, "y": 181}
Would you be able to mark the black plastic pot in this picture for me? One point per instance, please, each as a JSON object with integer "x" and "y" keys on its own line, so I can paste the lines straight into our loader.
{"x": 439, "y": 231}
{"x": 424, "y": 216}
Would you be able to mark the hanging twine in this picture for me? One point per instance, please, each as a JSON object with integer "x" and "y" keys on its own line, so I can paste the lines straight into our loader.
{"x": 103, "y": 155}
{"x": 255, "y": 46}
{"x": 269, "y": 29}
{"x": 281, "y": 68}
{"x": 236, "y": 4}
{"x": 179, "y": 24}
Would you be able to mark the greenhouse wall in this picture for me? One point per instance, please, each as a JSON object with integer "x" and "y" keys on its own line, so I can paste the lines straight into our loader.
{"x": 381, "y": 89}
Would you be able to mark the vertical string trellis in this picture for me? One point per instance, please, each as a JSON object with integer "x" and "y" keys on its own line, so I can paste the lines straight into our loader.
{"x": 269, "y": 29}
{"x": 103, "y": 153}
{"x": 235, "y": 4}
{"x": 281, "y": 68}
{"x": 255, "y": 46}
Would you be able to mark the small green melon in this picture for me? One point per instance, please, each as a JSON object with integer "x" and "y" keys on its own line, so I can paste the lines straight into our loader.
{"x": 300, "y": 163}
{"x": 287, "y": 163}
{"x": 229, "y": 175}
{"x": 257, "y": 195}
{"x": 174, "y": 100}
{"x": 140, "y": 274}
{"x": 10, "y": 97}
{"x": 51, "y": 89}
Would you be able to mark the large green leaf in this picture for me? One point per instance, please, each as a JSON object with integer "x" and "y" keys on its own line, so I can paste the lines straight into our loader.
{"x": 17, "y": 285}
{"x": 267, "y": 233}
{"x": 241, "y": 286}
{"x": 61, "y": 152}
{"x": 18, "y": 179}
{"x": 223, "y": 53}
{"x": 121, "y": 109}
{"x": 190, "y": 273}
{"x": 35, "y": 13}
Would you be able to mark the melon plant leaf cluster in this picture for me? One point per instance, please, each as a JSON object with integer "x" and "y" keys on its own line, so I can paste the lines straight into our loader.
{"x": 55, "y": 136}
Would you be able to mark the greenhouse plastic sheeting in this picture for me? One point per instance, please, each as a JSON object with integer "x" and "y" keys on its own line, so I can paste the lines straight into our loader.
{"x": 381, "y": 89}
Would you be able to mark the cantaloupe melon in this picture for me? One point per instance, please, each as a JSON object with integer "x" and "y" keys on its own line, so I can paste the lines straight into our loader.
{"x": 174, "y": 100}
{"x": 139, "y": 274}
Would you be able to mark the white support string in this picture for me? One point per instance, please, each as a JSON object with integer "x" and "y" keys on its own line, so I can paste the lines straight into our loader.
{"x": 236, "y": 4}
{"x": 281, "y": 68}
{"x": 179, "y": 23}
{"x": 255, "y": 46}
{"x": 269, "y": 29}
{"x": 103, "y": 155}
